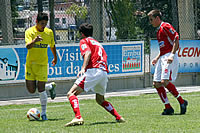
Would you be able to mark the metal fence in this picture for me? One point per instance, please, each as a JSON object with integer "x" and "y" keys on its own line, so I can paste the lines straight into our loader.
{"x": 112, "y": 20}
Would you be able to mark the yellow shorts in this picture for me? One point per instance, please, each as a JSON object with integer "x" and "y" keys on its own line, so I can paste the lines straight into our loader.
{"x": 36, "y": 72}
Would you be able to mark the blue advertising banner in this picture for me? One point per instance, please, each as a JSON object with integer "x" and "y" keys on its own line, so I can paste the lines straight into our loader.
{"x": 188, "y": 53}
{"x": 123, "y": 59}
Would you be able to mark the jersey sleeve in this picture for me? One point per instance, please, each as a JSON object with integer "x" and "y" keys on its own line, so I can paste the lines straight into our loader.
{"x": 28, "y": 37}
{"x": 84, "y": 47}
{"x": 171, "y": 32}
{"x": 52, "y": 43}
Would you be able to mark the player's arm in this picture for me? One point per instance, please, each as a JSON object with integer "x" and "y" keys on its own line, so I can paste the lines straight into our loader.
{"x": 155, "y": 60}
{"x": 36, "y": 39}
{"x": 53, "y": 50}
{"x": 87, "y": 56}
{"x": 174, "y": 49}
{"x": 173, "y": 35}
{"x": 175, "y": 46}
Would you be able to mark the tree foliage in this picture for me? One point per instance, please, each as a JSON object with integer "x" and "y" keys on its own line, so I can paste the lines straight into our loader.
{"x": 78, "y": 11}
{"x": 14, "y": 14}
{"x": 147, "y": 5}
{"x": 123, "y": 18}
{"x": 149, "y": 32}
{"x": 14, "y": 9}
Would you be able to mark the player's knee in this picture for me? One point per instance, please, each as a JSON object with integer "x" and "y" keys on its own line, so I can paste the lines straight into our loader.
{"x": 31, "y": 86}
{"x": 154, "y": 84}
{"x": 157, "y": 84}
{"x": 99, "y": 101}
{"x": 165, "y": 82}
{"x": 31, "y": 90}
{"x": 41, "y": 90}
{"x": 69, "y": 94}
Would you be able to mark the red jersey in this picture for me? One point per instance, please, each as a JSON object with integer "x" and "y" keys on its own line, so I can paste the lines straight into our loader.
{"x": 166, "y": 36}
{"x": 98, "y": 57}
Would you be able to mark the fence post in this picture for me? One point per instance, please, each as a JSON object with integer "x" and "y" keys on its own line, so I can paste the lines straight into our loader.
{"x": 186, "y": 19}
{"x": 97, "y": 19}
{"x": 40, "y": 8}
{"x": 6, "y": 21}
{"x": 52, "y": 20}
{"x": 175, "y": 14}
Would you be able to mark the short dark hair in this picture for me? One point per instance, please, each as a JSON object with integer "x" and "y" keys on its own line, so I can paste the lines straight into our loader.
{"x": 42, "y": 16}
{"x": 155, "y": 13}
{"x": 86, "y": 29}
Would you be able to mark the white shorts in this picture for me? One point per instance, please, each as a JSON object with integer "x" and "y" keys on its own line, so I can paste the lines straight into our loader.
{"x": 94, "y": 79}
{"x": 163, "y": 70}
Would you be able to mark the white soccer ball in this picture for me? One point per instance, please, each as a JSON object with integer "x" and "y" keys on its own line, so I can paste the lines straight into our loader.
{"x": 33, "y": 114}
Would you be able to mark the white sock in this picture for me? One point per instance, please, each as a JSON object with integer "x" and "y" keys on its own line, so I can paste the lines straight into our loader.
{"x": 43, "y": 101}
{"x": 48, "y": 86}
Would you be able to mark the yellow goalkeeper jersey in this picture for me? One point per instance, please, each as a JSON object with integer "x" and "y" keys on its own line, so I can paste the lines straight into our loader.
{"x": 38, "y": 53}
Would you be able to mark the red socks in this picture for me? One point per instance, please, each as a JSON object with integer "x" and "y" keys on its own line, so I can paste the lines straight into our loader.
{"x": 172, "y": 89}
{"x": 163, "y": 96}
{"x": 75, "y": 106}
{"x": 108, "y": 106}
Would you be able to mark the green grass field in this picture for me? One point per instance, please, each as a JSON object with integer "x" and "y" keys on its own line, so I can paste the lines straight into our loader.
{"x": 142, "y": 114}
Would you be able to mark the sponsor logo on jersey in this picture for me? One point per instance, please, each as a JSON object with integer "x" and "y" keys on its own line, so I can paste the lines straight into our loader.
{"x": 161, "y": 44}
{"x": 40, "y": 45}
{"x": 83, "y": 46}
{"x": 172, "y": 31}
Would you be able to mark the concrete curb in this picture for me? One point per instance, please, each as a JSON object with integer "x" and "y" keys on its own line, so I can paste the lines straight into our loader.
{"x": 187, "y": 89}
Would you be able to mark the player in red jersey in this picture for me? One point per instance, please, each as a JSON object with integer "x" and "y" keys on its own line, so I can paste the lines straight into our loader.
{"x": 93, "y": 75}
{"x": 166, "y": 62}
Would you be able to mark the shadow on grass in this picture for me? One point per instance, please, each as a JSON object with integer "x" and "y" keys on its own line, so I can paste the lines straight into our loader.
{"x": 98, "y": 123}
{"x": 56, "y": 119}
{"x": 47, "y": 120}
{"x": 173, "y": 114}
{"x": 179, "y": 114}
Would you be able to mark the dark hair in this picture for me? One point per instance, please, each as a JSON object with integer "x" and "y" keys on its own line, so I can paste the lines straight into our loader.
{"x": 42, "y": 16}
{"x": 86, "y": 29}
{"x": 155, "y": 13}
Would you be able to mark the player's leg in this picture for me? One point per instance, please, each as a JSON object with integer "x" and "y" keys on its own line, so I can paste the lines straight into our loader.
{"x": 41, "y": 73}
{"x": 172, "y": 89}
{"x": 101, "y": 81}
{"x": 160, "y": 89}
{"x": 51, "y": 88}
{"x": 31, "y": 86}
{"x": 43, "y": 99}
{"x": 72, "y": 96}
{"x": 41, "y": 76}
{"x": 109, "y": 107}
{"x": 170, "y": 73}
{"x": 163, "y": 96}
{"x": 30, "y": 79}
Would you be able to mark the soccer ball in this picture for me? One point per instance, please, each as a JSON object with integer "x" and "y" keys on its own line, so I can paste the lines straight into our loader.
{"x": 33, "y": 114}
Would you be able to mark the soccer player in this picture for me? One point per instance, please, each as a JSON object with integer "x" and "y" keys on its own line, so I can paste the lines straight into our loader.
{"x": 166, "y": 62}
{"x": 92, "y": 76}
{"x": 37, "y": 39}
